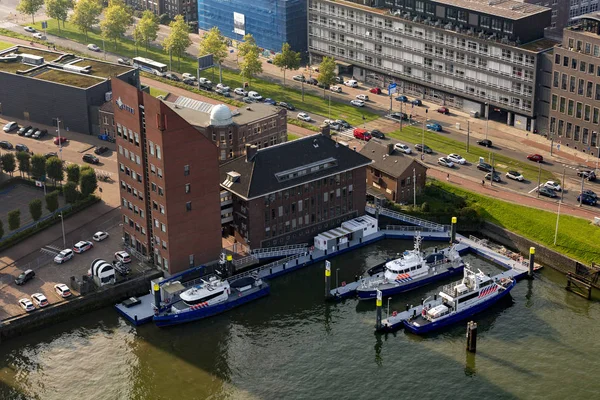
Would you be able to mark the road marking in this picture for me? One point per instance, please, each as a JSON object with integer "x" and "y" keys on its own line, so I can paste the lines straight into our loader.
{"x": 534, "y": 189}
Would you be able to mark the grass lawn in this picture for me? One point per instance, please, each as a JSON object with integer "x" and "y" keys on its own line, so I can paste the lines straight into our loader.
{"x": 441, "y": 143}
{"x": 577, "y": 237}
{"x": 5, "y": 45}
{"x": 291, "y": 137}
{"x": 311, "y": 104}
{"x": 157, "y": 92}
{"x": 68, "y": 78}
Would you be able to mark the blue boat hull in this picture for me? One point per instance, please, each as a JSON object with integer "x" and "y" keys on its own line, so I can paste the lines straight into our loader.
{"x": 372, "y": 294}
{"x": 420, "y": 330}
{"x": 201, "y": 313}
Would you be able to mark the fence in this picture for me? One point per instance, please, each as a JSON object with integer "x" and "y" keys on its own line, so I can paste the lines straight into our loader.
{"x": 405, "y": 228}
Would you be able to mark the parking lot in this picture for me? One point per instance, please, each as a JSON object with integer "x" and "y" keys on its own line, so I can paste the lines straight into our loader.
{"x": 19, "y": 197}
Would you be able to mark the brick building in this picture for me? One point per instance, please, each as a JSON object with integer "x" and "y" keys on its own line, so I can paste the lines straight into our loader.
{"x": 169, "y": 182}
{"x": 106, "y": 119}
{"x": 393, "y": 174}
{"x": 289, "y": 193}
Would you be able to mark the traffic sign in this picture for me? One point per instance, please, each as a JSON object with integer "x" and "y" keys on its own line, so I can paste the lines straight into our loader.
{"x": 44, "y": 24}
{"x": 392, "y": 87}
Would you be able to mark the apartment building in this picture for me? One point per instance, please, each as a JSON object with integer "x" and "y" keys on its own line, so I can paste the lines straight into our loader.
{"x": 187, "y": 8}
{"x": 169, "y": 182}
{"x": 288, "y": 193}
{"x": 575, "y": 106}
{"x": 476, "y": 55}
{"x": 106, "y": 119}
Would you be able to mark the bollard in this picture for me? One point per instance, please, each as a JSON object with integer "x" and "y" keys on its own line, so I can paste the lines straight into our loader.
{"x": 135, "y": 318}
{"x": 472, "y": 336}
{"x": 156, "y": 296}
{"x": 453, "y": 230}
{"x": 531, "y": 262}
{"x": 379, "y": 304}
{"x": 327, "y": 280}
{"x": 407, "y": 307}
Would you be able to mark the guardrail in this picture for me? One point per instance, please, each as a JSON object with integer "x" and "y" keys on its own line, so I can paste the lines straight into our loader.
{"x": 406, "y": 228}
{"x": 270, "y": 265}
{"x": 371, "y": 209}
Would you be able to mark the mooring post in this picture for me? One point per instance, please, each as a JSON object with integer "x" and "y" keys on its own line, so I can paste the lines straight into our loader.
{"x": 472, "y": 336}
{"x": 156, "y": 296}
{"x": 327, "y": 279}
{"x": 531, "y": 262}
{"x": 379, "y": 306}
{"x": 453, "y": 230}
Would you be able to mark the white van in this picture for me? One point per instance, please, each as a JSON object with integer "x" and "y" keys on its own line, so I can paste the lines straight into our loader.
{"x": 351, "y": 83}
{"x": 254, "y": 95}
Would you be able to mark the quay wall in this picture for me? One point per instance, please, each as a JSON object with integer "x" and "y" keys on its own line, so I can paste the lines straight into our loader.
{"x": 76, "y": 306}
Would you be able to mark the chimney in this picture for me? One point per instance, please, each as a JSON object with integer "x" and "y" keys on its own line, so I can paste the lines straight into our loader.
{"x": 326, "y": 130}
{"x": 251, "y": 151}
{"x": 390, "y": 149}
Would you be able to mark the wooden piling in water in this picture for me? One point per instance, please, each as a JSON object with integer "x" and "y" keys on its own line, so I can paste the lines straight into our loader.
{"x": 472, "y": 336}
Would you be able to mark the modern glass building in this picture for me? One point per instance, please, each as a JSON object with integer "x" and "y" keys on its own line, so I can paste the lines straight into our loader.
{"x": 271, "y": 22}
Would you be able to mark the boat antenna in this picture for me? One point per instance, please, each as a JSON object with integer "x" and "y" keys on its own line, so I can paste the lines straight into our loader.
{"x": 418, "y": 240}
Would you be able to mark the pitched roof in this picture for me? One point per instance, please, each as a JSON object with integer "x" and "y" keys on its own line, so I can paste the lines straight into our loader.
{"x": 107, "y": 107}
{"x": 287, "y": 165}
{"x": 392, "y": 164}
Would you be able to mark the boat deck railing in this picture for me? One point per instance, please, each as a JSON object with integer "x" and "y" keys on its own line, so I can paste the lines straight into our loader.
{"x": 279, "y": 251}
{"x": 407, "y": 228}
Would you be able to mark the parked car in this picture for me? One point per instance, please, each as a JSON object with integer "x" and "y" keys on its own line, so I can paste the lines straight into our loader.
{"x": 223, "y": 87}
{"x": 403, "y": 148}
{"x": 64, "y": 256}
{"x": 343, "y": 123}
{"x": 39, "y": 35}
{"x": 82, "y": 246}
{"x": 40, "y": 133}
{"x": 304, "y": 117}
{"x": 515, "y": 175}
{"x": 60, "y": 140}
{"x": 123, "y": 61}
{"x": 93, "y": 47}
{"x": 445, "y": 162}
{"x": 553, "y": 185}
{"x": 589, "y": 200}
{"x": 535, "y": 157}
{"x": 402, "y": 98}
{"x": 357, "y": 103}
{"x": 62, "y": 290}
{"x": 299, "y": 78}
{"x": 376, "y": 133}
{"x": 50, "y": 155}
{"x": 39, "y": 300}
{"x": 587, "y": 174}
{"x": 90, "y": 158}
{"x": 11, "y": 126}
{"x": 443, "y": 110}
{"x": 6, "y": 145}
{"x": 123, "y": 257}
{"x": 362, "y": 97}
{"x": 312, "y": 81}
{"x": 240, "y": 92}
{"x": 191, "y": 82}
{"x": 335, "y": 125}
{"x": 484, "y": 167}
{"x": 488, "y": 176}
{"x": 100, "y": 236}
{"x": 30, "y": 29}
{"x": 254, "y": 95}
{"x": 375, "y": 90}
{"x": 362, "y": 134}
{"x": 172, "y": 76}
{"x": 30, "y": 132}
{"x": 336, "y": 89}
{"x": 434, "y": 127}
{"x": 288, "y": 106}
{"x": 417, "y": 102}
{"x": 269, "y": 61}
{"x": 399, "y": 116}
{"x": 222, "y": 92}
{"x": 23, "y": 130}
{"x": 485, "y": 142}
{"x": 247, "y": 100}
{"x": 101, "y": 150}
{"x": 351, "y": 83}
{"x": 270, "y": 101}
{"x": 26, "y": 305}
{"x": 25, "y": 277}
{"x": 456, "y": 158}
{"x": 339, "y": 79}
{"x": 121, "y": 268}
{"x": 544, "y": 191}
{"x": 423, "y": 148}
{"x": 589, "y": 192}
{"x": 22, "y": 147}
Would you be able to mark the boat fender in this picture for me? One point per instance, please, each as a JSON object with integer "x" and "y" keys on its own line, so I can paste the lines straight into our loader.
{"x": 395, "y": 313}
{"x": 343, "y": 283}
{"x": 155, "y": 311}
{"x": 423, "y": 312}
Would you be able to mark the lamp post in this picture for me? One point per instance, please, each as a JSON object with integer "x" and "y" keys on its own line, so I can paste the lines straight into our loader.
{"x": 62, "y": 223}
{"x": 557, "y": 217}
{"x": 487, "y": 119}
{"x": 539, "y": 179}
{"x": 414, "y": 187}
{"x": 336, "y": 277}
{"x": 388, "y": 310}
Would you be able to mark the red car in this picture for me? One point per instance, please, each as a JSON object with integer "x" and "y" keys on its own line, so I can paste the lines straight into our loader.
{"x": 60, "y": 139}
{"x": 535, "y": 157}
{"x": 362, "y": 134}
{"x": 443, "y": 110}
{"x": 375, "y": 90}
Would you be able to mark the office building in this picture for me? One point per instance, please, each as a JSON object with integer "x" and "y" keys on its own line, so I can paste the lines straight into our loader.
{"x": 172, "y": 8}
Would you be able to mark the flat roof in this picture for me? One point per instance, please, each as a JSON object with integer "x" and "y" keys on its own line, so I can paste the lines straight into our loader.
{"x": 51, "y": 70}
{"x": 241, "y": 116}
{"x": 501, "y": 8}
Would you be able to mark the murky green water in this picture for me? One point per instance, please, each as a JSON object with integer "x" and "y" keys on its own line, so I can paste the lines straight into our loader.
{"x": 540, "y": 344}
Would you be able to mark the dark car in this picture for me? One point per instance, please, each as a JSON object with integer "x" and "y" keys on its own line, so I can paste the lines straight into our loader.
{"x": 339, "y": 79}
{"x": 544, "y": 191}
{"x": 312, "y": 81}
{"x": 90, "y": 158}
{"x": 269, "y": 61}
{"x": 485, "y": 142}
{"x": 23, "y": 130}
{"x": 587, "y": 174}
{"x": 101, "y": 150}
{"x": 22, "y": 147}
{"x": 488, "y": 176}
{"x": 289, "y": 106}
{"x": 270, "y": 101}
{"x": 30, "y": 132}
{"x": 484, "y": 167}
{"x": 25, "y": 277}
{"x": 191, "y": 82}
{"x": 399, "y": 116}
{"x": 343, "y": 123}
{"x": 423, "y": 147}
{"x": 417, "y": 102}
{"x": 591, "y": 193}
{"x": 589, "y": 200}
{"x": 402, "y": 98}
{"x": 172, "y": 76}
{"x": 6, "y": 145}
{"x": 376, "y": 133}
{"x": 50, "y": 155}
{"x": 39, "y": 133}
{"x": 535, "y": 157}
{"x": 443, "y": 110}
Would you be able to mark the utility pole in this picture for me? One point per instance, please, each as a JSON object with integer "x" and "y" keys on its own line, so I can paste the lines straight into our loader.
{"x": 468, "y": 134}
{"x": 103, "y": 49}
{"x": 59, "y": 141}
{"x": 493, "y": 171}
{"x": 302, "y": 84}
{"x": 487, "y": 119}
{"x": 401, "y": 115}
{"x": 539, "y": 179}
{"x": 329, "y": 112}
{"x": 62, "y": 222}
{"x": 581, "y": 195}
{"x": 557, "y": 217}
{"x": 414, "y": 187}
{"x": 551, "y": 144}
{"x": 562, "y": 192}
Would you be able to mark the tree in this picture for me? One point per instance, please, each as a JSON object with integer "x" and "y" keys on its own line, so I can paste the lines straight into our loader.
{"x": 54, "y": 169}
{"x": 38, "y": 166}
{"x": 14, "y": 219}
{"x": 73, "y": 173}
{"x": 35, "y": 209}
{"x": 327, "y": 72}
{"x": 147, "y": 28}
{"x": 88, "y": 184}
{"x": 287, "y": 59}
{"x": 85, "y": 14}
{"x": 250, "y": 65}
{"x": 52, "y": 201}
{"x": 178, "y": 40}
{"x": 71, "y": 193}
{"x": 214, "y": 43}
{"x": 117, "y": 18}
{"x": 59, "y": 10}
{"x": 248, "y": 45}
{"x": 30, "y": 7}
{"x": 24, "y": 160}
{"x": 8, "y": 163}
{"x": 1, "y": 229}
{"x": 164, "y": 19}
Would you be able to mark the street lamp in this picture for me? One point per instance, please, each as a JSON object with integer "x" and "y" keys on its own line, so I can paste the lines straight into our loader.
{"x": 336, "y": 277}
{"x": 557, "y": 217}
{"x": 388, "y": 312}
{"x": 487, "y": 119}
{"x": 62, "y": 223}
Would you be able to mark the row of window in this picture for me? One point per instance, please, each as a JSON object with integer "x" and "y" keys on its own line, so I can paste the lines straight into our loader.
{"x": 129, "y": 189}
{"x": 132, "y": 137}
{"x": 580, "y": 46}
{"x": 576, "y": 85}
{"x": 307, "y": 219}
{"x": 133, "y": 207}
{"x": 575, "y": 109}
{"x": 575, "y": 64}
{"x": 574, "y": 132}
{"x": 335, "y": 180}
{"x": 136, "y": 226}
{"x": 154, "y": 150}
{"x": 130, "y": 155}
{"x": 129, "y": 172}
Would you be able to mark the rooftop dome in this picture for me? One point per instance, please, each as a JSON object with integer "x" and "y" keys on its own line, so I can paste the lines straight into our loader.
{"x": 220, "y": 115}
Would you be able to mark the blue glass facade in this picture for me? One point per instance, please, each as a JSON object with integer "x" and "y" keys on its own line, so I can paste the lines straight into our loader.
{"x": 271, "y": 22}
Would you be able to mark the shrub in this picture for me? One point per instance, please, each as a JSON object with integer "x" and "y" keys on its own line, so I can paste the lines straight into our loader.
{"x": 425, "y": 207}
{"x": 35, "y": 209}
{"x": 14, "y": 219}
{"x": 52, "y": 201}
{"x": 70, "y": 191}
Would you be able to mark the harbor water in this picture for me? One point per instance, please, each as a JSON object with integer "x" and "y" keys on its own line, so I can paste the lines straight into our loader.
{"x": 542, "y": 343}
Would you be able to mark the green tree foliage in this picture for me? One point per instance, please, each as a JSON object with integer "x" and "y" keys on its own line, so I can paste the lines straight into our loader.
{"x": 38, "y": 166}
{"x": 1, "y": 229}
{"x": 30, "y": 7}
{"x": 85, "y": 14}
{"x": 24, "y": 160}
{"x": 8, "y": 163}
{"x": 70, "y": 192}
{"x": 117, "y": 18}
{"x": 147, "y": 28}
{"x": 52, "y": 201}
{"x": 35, "y": 209}
{"x": 54, "y": 169}
{"x": 88, "y": 183}
{"x": 214, "y": 43}
{"x": 248, "y": 45}
{"x": 250, "y": 66}
{"x": 73, "y": 173}
{"x": 178, "y": 40}
{"x": 287, "y": 59}
{"x": 327, "y": 72}
{"x": 14, "y": 219}
{"x": 59, "y": 10}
